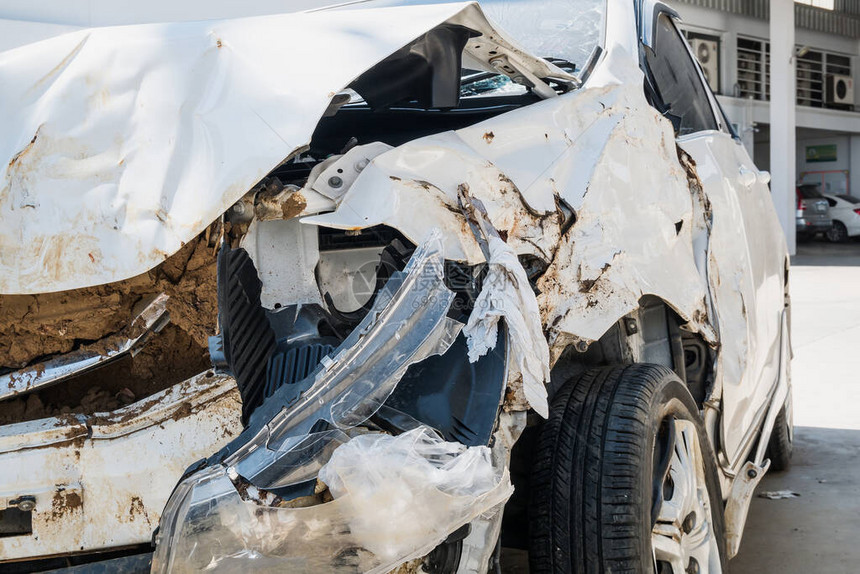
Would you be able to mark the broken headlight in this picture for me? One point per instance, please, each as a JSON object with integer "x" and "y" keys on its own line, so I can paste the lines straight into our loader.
{"x": 395, "y": 498}
{"x": 298, "y": 428}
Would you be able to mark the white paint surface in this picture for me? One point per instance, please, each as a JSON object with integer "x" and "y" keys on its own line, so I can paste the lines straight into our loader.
{"x": 121, "y": 144}
{"x": 118, "y": 468}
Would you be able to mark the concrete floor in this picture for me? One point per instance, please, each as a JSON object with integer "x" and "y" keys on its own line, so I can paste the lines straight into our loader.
{"x": 820, "y": 531}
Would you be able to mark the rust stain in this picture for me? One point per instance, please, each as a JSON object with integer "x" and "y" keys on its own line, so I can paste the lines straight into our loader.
{"x": 488, "y": 137}
{"x": 587, "y": 285}
{"x": 218, "y": 42}
{"x": 26, "y": 149}
{"x": 183, "y": 411}
{"x": 64, "y": 502}
{"x": 515, "y": 398}
{"x": 125, "y": 415}
{"x": 293, "y": 205}
{"x": 136, "y": 508}
{"x": 689, "y": 165}
{"x": 272, "y": 200}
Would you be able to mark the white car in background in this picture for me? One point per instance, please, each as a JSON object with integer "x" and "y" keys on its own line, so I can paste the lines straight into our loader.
{"x": 845, "y": 213}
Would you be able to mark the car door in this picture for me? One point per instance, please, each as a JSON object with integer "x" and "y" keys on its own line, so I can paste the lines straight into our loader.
{"x": 745, "y": 248}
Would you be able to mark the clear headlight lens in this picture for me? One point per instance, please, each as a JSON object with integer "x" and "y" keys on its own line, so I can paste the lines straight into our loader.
{"x": 208, "y": 523}
{"x": 395, "y": 498}
{"x": 407, "y": 323}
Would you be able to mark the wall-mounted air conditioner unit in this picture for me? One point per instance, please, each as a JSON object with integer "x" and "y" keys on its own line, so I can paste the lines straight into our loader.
{"x": 707, "y": 51}
{"x": 840, "y": 89}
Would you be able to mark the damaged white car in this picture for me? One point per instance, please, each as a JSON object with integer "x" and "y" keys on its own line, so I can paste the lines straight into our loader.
{"x": 489, "y": 278}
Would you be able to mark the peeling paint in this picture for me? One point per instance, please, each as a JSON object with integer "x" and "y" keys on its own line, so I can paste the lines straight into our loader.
{"x": 65, "y": 502}
{"x": 610, "y": 256}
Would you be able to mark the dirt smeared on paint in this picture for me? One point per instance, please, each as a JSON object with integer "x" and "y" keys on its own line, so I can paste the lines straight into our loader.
{"x": 35, "y": 327}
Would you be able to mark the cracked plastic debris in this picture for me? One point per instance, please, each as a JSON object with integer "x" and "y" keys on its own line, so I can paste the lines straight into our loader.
{"x": 507, "y": 293}
{"x": 778, "y": 494}
{"x": 395, "y": 498}
{"x": 407, "y": 323}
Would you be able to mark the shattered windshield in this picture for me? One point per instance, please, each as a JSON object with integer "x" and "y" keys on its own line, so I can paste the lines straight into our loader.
{"x": 476, "y": 83}
{"x": 567, "y": 30}
{"x": 564, "y": 29}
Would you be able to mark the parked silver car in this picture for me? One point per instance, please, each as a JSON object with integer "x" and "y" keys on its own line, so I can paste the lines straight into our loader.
{"x": 487, "y": 276}
{"x": 813, "y": 211}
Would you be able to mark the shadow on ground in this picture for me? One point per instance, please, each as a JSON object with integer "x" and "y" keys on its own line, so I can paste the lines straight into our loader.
{"x": 820, "y": 252}
{"x": 819, "y": 532}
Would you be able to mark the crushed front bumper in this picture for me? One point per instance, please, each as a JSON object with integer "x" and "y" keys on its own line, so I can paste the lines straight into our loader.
{"x": 395, "y": 498}
{"x": 95, "y": 482}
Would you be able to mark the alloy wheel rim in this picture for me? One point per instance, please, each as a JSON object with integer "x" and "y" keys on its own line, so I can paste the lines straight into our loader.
{"x": 683, "y": 539}
{"x": 836, "y": 233}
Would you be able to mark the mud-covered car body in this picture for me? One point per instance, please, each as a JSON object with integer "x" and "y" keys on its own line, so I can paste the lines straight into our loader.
{"x": 421, "y": 228}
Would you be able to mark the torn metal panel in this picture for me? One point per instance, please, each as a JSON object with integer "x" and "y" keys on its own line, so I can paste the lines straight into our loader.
{"x": 121, "y": 144}
{"x": 424, "y": 176}
{"x": 506, "y": 294}
{"x": 92, "y": 487}
{"x": 745, "y": 278}
{"x": 287, "y": 275}
{"x": 150, "y": 320}
{"x": 633, "y": 232}
{"x": 394, "y": 499}
{"x": 738, "y": 503}
{"x": 602, "y": 150}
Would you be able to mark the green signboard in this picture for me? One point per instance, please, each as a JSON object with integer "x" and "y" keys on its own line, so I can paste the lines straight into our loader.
{"x": 819, "y": 153}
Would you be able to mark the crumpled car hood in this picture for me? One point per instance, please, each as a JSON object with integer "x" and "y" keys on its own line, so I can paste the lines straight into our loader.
{"x": 121, "y": 144}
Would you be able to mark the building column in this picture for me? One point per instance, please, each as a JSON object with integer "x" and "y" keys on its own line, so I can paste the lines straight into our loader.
{"x": 854, "y": 165}
{"x": 783, "y": 138}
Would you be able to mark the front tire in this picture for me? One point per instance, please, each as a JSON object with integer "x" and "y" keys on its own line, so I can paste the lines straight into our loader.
{"x": 624, "y": 479}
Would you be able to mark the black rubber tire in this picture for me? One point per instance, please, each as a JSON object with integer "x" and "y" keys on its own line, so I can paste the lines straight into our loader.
{"x": 838, "y": 233}
{"x": 591, "y": 487}
{"x": 780, "y": 446}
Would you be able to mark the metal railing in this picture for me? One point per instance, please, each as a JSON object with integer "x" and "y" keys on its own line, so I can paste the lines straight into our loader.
{"x": 844, "y": 20}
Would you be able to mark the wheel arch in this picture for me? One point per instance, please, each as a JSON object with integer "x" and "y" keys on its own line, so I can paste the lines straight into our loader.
{"x": 658, "y": 339}
{"x": 654, "y": 332}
